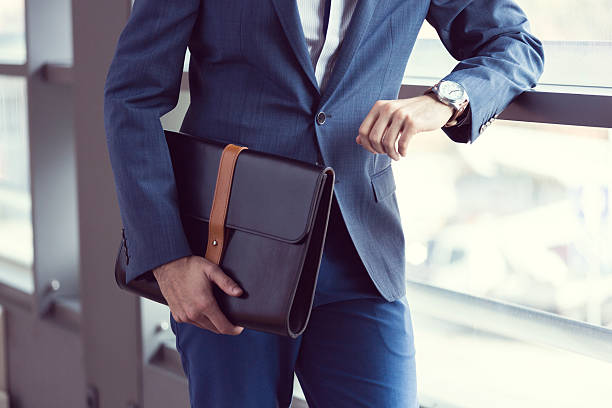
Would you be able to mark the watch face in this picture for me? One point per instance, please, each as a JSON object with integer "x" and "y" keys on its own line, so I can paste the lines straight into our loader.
{"x": 451, "y": 90}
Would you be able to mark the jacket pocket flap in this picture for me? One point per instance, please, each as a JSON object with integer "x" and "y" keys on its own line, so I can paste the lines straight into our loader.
{"x": 383, "y": 183}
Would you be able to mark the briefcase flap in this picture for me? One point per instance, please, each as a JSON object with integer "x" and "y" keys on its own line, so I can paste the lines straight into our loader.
{"x": 271, "y": 195}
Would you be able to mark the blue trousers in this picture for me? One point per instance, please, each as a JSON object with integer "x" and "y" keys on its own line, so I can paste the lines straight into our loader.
{"x": 357, "y": 350}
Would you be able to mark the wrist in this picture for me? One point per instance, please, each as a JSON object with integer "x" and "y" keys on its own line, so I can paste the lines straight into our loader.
{"x": 157, "y": 272}
{"x": 454, "y": 95}
{"x": 444, "y": 108}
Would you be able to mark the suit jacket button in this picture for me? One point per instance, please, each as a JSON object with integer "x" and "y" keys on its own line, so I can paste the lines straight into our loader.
{"x": 321, "y": 118}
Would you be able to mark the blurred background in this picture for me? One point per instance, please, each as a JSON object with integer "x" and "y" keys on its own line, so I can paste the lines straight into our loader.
{"x": 508, "y": 239}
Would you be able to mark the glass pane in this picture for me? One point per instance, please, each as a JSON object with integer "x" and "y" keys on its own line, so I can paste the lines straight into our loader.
{"x": 577, "y": 42}
{"x": 15, "y": 203}
{"x": 461, "y": 367}
{"x": 521, "y": 215}
{"x": 12, "y": 32}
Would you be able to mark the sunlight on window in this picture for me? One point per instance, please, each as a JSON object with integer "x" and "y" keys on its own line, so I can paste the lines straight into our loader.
{"x": 12, "y": 37}
{"x": 520, "y": 215}
{"x": 15, "y": 211}
{"x": 458, "y": 366}
{"x": 577, "y": 41}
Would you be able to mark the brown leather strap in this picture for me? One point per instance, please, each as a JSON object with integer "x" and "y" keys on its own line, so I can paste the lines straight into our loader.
{"x": 218, "y": 211}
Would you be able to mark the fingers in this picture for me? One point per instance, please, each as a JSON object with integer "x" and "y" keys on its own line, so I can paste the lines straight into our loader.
{"x": 391, "y": 136}
{"x": 379, "y": 131}
{"x": 211, "y": 309}
{"x": 390, "y": 124}
{"x": 200, "y": 308}
{"x": 204, "y": 322}
{"x": 379, "y": 128}
{"x": 385, "y": 111}
{"x": 404, "y": 139}
{"x": 220, "y": 278}
{"x": 206, "y": 314}
{"x": 366, "y": 127}
{"x": 196, "y": 318}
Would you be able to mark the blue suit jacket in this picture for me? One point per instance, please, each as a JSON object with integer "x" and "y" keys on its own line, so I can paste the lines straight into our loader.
{"x": 252, "y": 83}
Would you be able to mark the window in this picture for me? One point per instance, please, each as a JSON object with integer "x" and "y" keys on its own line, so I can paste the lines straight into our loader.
{"x": 525, "y": 225}
{"x": 16, "y": 230}
{"x": 577, "y": 43}
{"x": 16, "y": 248}
{"x": 460, "y": 366}
{"x": 509, "y": 276}
{"x": 12, "y": 33}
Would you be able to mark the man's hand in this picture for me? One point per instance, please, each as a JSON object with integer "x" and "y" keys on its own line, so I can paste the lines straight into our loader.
{"x": 186, "y": 283}
{"x": 389, "y": 119}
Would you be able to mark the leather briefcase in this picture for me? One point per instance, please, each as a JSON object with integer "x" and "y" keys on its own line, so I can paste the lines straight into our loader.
{"x": 261, "y": 217}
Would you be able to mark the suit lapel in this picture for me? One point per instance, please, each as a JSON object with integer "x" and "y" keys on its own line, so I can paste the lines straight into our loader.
{"x": 352, "y": 38}
{"x": 290, "y": 20}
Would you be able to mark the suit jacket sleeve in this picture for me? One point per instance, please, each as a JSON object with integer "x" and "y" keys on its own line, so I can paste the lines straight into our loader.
{"x": 498, "y": 56}
{"x": 142, "y": 84}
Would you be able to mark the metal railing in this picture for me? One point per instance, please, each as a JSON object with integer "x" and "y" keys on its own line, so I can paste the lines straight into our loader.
{"x": 511, "y": 320}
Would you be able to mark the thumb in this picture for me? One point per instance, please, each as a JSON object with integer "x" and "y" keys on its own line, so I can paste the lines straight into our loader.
{"x": 226, "y": 283}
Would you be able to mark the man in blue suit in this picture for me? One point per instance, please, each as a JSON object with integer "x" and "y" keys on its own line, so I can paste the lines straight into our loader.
{"x": 253, "y": 83}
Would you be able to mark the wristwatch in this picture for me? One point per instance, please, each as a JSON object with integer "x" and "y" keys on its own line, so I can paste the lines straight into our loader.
{"x": 452, "y": 94}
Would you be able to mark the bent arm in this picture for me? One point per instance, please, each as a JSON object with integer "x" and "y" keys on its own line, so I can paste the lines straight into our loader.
{"x": 498, "y": 56}
{"x": 143, "y": 84}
